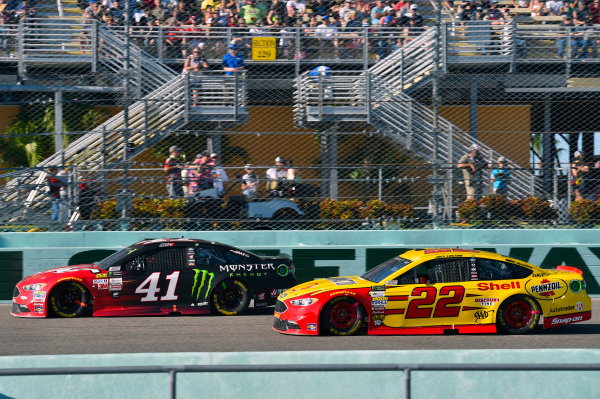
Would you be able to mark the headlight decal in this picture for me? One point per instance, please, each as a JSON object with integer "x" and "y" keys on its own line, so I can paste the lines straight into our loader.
{"x": 303, "y": 301}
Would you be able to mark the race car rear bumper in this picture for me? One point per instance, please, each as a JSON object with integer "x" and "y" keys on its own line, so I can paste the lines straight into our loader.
{"x": 556, "y": 321}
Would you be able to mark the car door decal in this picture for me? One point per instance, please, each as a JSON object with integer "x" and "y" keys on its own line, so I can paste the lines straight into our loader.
{"x": 150, "y": 287}
{"x": 450, "y": 295}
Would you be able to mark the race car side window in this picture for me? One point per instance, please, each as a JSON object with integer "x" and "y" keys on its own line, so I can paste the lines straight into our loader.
{"x": 209, "y": 256}
{"x": 451, "y": 270}
{"x": 159, "y": 259}
{"x": 491, "y": 269}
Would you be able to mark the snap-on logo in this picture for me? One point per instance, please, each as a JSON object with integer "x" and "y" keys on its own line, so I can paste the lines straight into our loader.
{"x": 566, "y": 320}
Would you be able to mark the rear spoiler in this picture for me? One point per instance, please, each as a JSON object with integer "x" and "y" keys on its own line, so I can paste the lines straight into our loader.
{"x": 570, "y": 269}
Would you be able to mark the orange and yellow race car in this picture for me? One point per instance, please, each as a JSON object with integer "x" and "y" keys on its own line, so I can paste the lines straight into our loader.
{"x": 436, "y": 291}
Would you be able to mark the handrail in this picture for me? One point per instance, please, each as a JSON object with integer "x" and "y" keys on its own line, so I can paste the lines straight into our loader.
{"x": 406, "y": 368}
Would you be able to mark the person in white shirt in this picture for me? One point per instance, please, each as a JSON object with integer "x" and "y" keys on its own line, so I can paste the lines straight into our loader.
{"x": 250, "y": 182}
{"x": 220, "y": 176}
{"x": 555, "y": 7}
{"x": 275, "y": 175}
{"x": 327, "y": 33}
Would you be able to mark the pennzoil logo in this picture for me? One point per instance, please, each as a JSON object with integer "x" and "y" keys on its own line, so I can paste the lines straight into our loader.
{"x": 203, "y": 281}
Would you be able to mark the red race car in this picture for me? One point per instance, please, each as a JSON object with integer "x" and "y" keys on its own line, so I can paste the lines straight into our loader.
{"x": 157, "y": 277}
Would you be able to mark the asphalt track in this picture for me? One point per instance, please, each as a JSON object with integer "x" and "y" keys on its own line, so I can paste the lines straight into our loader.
{"x": 251, "y": 332}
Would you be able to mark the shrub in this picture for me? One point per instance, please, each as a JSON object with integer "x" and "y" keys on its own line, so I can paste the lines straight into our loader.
{"x": 537, "y": 209}
{"x": 585, "y": 211}
{"x": 470, "y": 211}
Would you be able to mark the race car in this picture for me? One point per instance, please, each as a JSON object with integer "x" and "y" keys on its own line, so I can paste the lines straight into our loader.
{"x": 437, "y": 291}
{"x": 157, "y": 277}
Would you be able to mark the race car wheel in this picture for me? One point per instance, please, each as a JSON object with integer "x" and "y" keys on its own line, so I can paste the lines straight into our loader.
{"x": 230, "y": 298}
{"x": 519, "y": 314}
{"x": 70, "y": 299}
{"x": 342, "y": 316}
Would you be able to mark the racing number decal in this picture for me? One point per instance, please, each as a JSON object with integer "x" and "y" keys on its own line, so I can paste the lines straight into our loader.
{"x": 418, "y": 309}
{"x": 150, "y": 287}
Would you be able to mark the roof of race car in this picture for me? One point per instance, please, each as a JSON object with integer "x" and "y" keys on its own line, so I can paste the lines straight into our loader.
{"x": 431, "y": 253}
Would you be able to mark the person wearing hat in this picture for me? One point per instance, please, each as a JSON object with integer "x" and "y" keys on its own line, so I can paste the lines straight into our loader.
{"x": 173, "y": 168}
{"x": 55, "y": 184}
{"x": 579, "y": 168}
{"x": 275, "y": 176}
{"x": 250, "y": 182}
{"x": 472, "y": 165}
{"x": 500, "y": 177}
{"x": 232, "y": 61}
{"x": 194, "y": 64}
{"x": 327, "y": 33}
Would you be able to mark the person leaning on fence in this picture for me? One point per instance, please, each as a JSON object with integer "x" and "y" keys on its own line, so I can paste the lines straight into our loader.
{"x": 232, "y": 62}
{"x": 172, "y": 168}
{"x": 193, "y": 65}
{"x": 566, "y": 25}
{"x": 472, "y": 165}
{"x": 87, "y": 196}
{"x": 54, "y": 186}
{"x": 250, "y": 182}
{"x": 500, "y": 177}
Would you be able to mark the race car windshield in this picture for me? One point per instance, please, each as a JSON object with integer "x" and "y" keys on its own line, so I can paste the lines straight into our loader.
{"x": 385, "y": 269}
{"x": 108, "y": 261}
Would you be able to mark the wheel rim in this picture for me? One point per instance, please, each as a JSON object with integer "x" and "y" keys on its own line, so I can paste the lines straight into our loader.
{"x": 343, "y": 315}
{"x": 518, "y": 314}
{"x": 70, "y": 299}
{"x": 231, "y": 297}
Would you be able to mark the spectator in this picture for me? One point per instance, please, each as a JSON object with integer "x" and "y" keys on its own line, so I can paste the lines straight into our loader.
{"x": 327, "y": 33}
{"x": 507, "y": 30}
{"x": 579, "y": 168}
{"x": 472, "y": 165}
{"x": 536, "y": 8}
{"x": 64, "y": 210}
{"x": 594, "y": 9}
{"x": 520, "y": 3}
{"x": 275, "y": 176}
{"x": 250, "y": 182}
{"x": 220, "y": 176}
{"x": 173, "y": 168}
{"x": 346, "y": 9}
{"x": 278, "y": 11}
{"x": 500, "y": 177}
{"x": 252, "y": 13}
{"x": 321, "y": 7}
{"x": 414, "y": 29}
{"x": 194, "y": 64}
{"x": 54, "y": 188}
{"x": 232, "y": 62}
{"x": 555, "y": 7}
{"x": 87, "y": 196}
{"x": 174, "y": 36}
{"x": 592, "y": 181}
{"x": 191, "y": 38}
{"x": 591, "y": 37}
{"x": 377, "y": 12}
{"x": 320, "y": 81}
{"x": 566, "y": 27}
{"x": 581, "y": 14}
{"x": 296, "y": 9}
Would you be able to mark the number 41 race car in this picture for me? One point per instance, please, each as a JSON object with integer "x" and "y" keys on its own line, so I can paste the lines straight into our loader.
{"x": 432, "y": 291}
{"x": 157, "y": 277}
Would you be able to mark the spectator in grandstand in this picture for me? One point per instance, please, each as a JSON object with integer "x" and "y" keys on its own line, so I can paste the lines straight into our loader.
{"x": 537, "y": 8}
{"x": 334, "y": 10}
{"x": 555, "y": 7}
{"x": 194, "y": 64}
{"x": 320, "y": 7}
{"x": 594, "y": 8}
{"x": 472, "y": 165}
{"x": 192, "y": 37}
{"x": 507, "y": 32}
{"x": 414, "y": 14}
{"x": 345, "y": 10}
{"x": 64, "y": 211}
{"x": 117, "y": 13}
{"x": 581, "y": 14}
{"x": 219, "y": 174}
{"x": 414, "y": 29}
{"x": 494, "y": 13}
{"x": 173, "y": 168}
{"x": 579, "y": 169}
{"x": 277, "y": 12}
{"x": 579, "y": 39}
{"x": 327, "y": 33}
{"x": 591, "y": 36}
{"x": 296, "y": 9}
{"x": 232, "y": 62}
{"x": 275, "y": 177}
{"x": 565, "y": 26}
{"x": 500, "y": 177}
{"x": 377, "y": 12}
{"x": 54, "y": 187}
{"x": 250, "y": 182}
{"x": 253, "y": 12}
{"x": 87, "y": 196}
{"x": 160, "y": 13}
{"x": 320, "y": 81}
{"x": 363, "y": 9}
{"x": 464, "y": 10}
{"x": 173, "y": 38}
{"x": 520, "y": 3}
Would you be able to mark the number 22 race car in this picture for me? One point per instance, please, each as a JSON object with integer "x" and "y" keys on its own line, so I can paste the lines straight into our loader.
{"x": 435, "y": 291}
{"x": 157, "y": 277}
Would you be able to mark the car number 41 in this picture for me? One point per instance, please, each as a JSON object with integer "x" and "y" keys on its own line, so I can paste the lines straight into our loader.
{"x": 150, "y": 287}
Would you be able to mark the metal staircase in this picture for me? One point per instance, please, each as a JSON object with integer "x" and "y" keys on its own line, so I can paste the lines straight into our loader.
{"x": 381, "y": 98}
{"x": 161, "y": 109}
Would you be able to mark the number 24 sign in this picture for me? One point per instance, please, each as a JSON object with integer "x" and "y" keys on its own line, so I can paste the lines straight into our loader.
{"x": 264, "y": 48}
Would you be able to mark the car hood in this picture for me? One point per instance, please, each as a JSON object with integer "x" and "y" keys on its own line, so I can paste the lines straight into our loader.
{"x": 65, "y": 270}
{"x": 326, "y": 284}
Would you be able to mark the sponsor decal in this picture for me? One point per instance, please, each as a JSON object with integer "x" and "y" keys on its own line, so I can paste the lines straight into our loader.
{"x": 378, "y": 322}
{"x": 486, "y": 301}
{"x": 102, "y": 283}
{"x": 342, "y": 280}
{"x": 166, "y": 244}
{"x": 391, "y": 282}
{"x": 311, "y": 327}
{"x": 23, "y": 296}
{"x": 495, "y": 286}
{"x": 101, "y": 275}
{"x": 115, "y": 284}
{"x": 565, "y": 320}
{"x": 240, "y": 253}
{"x": 343, "y": 292}
{"x": 546, "y": 288}
{"x": 114, "y": 268}
{"x": 116, "y": 294}
{"x": 200, "y": 284}
{"x": 200, "y": 304}
{"x": 261, "y": 296}
{"x": 38, "y": 308}
{"x": 563, "y": 309}
{"x": 263, "y": 274}
{"x": 377, "y": 317}
{"x": 248, "y": 267}
{"x": 115, "y": 274}
{"x": 481, "y": 314}
{"x": 39, "y": 295}
{"x": 579, "y": 306}
{"x": 283, "y": 270}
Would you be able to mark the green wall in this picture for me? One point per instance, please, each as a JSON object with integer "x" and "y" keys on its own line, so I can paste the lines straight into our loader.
{"x": 315, "y": 253}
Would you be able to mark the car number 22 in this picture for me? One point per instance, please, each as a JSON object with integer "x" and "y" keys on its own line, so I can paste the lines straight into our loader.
{"x": 419, "y": 308}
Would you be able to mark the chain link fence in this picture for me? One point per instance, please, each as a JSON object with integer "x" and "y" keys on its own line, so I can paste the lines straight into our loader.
{"x": 367, "y": 128}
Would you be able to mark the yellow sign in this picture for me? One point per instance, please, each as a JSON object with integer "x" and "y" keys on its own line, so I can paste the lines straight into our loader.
{"x": 264, "y": 48}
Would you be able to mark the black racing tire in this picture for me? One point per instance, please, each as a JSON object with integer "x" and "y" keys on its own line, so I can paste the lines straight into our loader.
{"x": 518, "y": 314}
{"x": 342, "y": 316}
{"x": 70, "y": 299}
{"x": 230, "y": 298}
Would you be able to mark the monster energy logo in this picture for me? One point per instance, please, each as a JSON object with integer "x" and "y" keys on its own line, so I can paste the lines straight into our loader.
{"x": 204, "y": 274}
